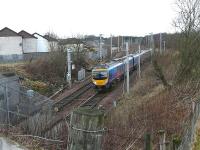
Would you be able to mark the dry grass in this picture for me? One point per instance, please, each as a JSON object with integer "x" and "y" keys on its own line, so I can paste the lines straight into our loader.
{"x": 150, "y": 108}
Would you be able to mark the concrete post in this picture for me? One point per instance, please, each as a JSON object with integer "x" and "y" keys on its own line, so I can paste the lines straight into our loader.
{"x": 118, "y": 43}
{"x": 122, "y": 43}
{"x": 86, "y": 129}
{"x": 164, "y": 46}
{"x": 100, "y": 47}
{"x": 127, "y": 68}
{"x": 139, "y": 69}
{"x": 69, "y": 62}
{"x": 160, "y": 43}
{"x": 162, "y": 140}
{"x": 111, "y": 46}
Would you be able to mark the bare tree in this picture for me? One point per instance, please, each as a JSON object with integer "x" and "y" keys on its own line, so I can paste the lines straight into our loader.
{"x": 188, "y": 24}
{"x": 79, "y": 47}
{"x": 53, "y": 41}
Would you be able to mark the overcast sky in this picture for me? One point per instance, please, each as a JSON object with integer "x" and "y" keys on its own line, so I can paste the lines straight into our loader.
{"x": 72, "y": 17}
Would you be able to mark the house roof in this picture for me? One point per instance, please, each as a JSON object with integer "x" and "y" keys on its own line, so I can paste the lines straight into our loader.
{"x": 50, "y": 39}
{"x": 5, "y": 32}
{"x": 25, "y": 34}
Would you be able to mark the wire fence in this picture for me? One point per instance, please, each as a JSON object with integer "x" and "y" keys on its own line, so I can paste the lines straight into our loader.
{"x": 190, "y": 128}
{"x": 29, "y": 112}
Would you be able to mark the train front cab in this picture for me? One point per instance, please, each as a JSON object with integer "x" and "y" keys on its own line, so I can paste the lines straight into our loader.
{"x": 100, "y": 78}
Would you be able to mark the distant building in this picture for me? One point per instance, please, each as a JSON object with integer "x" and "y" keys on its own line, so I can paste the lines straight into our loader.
{"x": 42, "y": 43}
{"x": 53, "y": 42}
{"x": 72, "y": 43}
{"x": 10, "y": 43}
{"x": 29, "y": 42}
{"x": 95, "y": 44}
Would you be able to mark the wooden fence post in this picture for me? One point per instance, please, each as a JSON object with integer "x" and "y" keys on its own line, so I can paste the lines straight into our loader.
{"x": 148, "y": 144}
{"x": 167, "y": 145}
{"x": 86, "y": 129}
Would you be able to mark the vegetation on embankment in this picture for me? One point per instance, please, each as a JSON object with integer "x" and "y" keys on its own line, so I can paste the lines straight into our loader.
{"x": 27, "y": 79}
{"x": 162, "y": 100}
{"x": 43, "y": 75}
{"x": 152, "y": 107}
{"x": 197, "y": 142}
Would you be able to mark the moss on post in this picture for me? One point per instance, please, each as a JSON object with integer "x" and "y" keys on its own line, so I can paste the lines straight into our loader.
{"x": 86, "y": 129}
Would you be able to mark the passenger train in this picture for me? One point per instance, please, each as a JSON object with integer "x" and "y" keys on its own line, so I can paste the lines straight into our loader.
{"x": 104, "y": 75}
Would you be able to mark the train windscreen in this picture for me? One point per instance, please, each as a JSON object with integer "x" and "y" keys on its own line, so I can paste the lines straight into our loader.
{"x": 99, "y": 75}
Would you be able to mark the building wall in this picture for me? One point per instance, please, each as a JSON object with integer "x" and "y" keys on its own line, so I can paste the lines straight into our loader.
{"x": 42, "y": 44}
{"x": 29, "y": 45}
{"x": 11, "y": 45}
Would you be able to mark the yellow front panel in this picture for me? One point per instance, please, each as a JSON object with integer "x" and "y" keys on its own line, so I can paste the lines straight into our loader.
{"x": 100, "y": 70}
{"x": 100, "y": 82}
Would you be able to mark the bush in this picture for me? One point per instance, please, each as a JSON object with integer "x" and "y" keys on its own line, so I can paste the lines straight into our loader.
{"x": 50, "y": 69}
{"x": 38, "y": 86}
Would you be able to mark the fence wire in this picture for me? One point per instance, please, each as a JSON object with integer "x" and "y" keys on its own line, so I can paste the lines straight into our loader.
{"x": 28, "y": 111}
{"x": 190, "y": 128}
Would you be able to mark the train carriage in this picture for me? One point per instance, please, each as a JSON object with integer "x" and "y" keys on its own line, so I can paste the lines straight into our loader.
{"x": 104, "y": 75}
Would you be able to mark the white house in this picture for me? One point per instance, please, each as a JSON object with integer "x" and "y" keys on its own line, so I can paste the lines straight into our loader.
{"x": 10, "y": 42}
{"x": 42, "y": 43}
{"x": 29, "y": 42}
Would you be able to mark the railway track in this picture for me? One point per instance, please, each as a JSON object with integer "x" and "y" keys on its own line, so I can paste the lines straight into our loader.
{"x": 54, "y": 96}
{"x": 58, "y": 106}
{"x": 93, "y": 101}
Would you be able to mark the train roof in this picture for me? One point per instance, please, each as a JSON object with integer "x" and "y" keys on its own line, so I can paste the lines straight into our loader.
{"x": 108, "y": 65}
{"x": 118, "y": 61}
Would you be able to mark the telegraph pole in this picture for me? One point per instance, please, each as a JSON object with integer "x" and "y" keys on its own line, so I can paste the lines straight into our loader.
{"x": 131, "y": 45}
{"x": 100, "y": 47}
{"x": 139, "y": 62}
{"x": 164, "y": 45}
{"x": 122, "y": 43}
{"x": 111, "y": 46}
{"x": 118, "y": 43}
{"x": 152, "y": 41}
{"x": 160, "y": 43}
{"x": 152, "y": 46}
{"x": 69, "y": 66}
{"x": 127, "y": 68}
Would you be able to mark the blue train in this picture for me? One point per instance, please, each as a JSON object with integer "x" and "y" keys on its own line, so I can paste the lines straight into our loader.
{"x": 104, "y": 75}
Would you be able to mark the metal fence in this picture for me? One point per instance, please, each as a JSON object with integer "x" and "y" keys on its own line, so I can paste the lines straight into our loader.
{"x": 21, "y": 57}
{"x": 18, "y": 104}
{"x": 28, "y": 113}
{"x": 190, "y": 128}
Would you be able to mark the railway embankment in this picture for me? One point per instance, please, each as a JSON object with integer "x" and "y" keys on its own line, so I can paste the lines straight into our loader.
{"x": 151, "y": 107}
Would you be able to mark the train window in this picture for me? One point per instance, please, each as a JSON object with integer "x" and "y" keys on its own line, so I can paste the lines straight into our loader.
{"x": 99, "y": 75}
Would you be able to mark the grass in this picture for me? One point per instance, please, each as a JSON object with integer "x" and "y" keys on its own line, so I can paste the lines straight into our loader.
{"x": 149, "y": 108}
{"x": 19, "y": 69}
{"x": 197, "y": 143}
